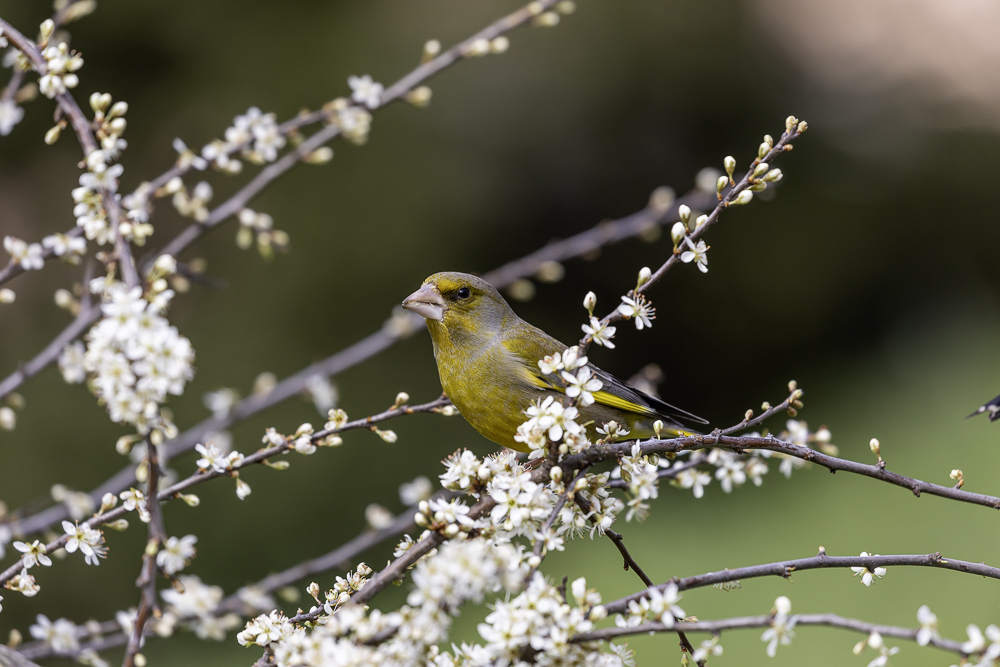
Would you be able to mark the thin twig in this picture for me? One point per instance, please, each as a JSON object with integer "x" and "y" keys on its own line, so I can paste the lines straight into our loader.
{"x": 724, "y": 201}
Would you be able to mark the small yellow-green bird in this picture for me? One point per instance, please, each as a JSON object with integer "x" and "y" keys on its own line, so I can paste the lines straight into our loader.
{"x": 487, "y": 358}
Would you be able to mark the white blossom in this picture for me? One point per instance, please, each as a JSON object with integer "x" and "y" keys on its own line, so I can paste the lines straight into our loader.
{"x": 696, "y": 253}
{"x": 600, "y": 333}
{"x": 27, "y": 255}
{"x": 10, "y": 115}
{"x": 58, "y": 635}
{"x": 176, "y": 553}
{"x": 366, "y": 91}
{"x": 868, "y": 576}
{"x": 928, "y": 626}
{"x": 639, "y": 309}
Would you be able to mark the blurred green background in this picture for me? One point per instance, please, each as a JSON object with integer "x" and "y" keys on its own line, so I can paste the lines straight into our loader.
{"x": 872, "y": 278}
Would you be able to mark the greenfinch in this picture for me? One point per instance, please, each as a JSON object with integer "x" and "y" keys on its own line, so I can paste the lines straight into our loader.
{"x": 488, "y": 362}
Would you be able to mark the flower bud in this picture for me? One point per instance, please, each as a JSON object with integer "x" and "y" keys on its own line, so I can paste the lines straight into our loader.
{"x": 321, "y": 155}
{"x": 876, "y": 449}
{"x": 556, "y": 474}
{"x": 590, "y": 302}
{"x": 730, "y": 164}
{"x": 451, "y": 530}
{"x": 598, "y": 613}
{"x": 721, "y": 184}
{"x": 790, "y": 123}
{"x": 644, "y": 274}
{"x": 684, "y": 211}
{"x": 658, "y": 427}
{"x": 534, "y": 561}
{"x": 500, "y": 44}
{"x": 46, "y": 29}
{"x": 118, "y": 110}
{"x": 678, "y": 232}
{"x": 760, "y": 169}
{"x": 431, "y": 49}
{"x": 190, "y": 499}
{"x": 742, "y": 198}
{"x": 420, "y": 96}
{"x": 702, "y": 219}
{"x": 401, "y": 399}
{"x": 7, "y": 295}
{"x": 803, "y": 126}
{"x": 52, "y": 136}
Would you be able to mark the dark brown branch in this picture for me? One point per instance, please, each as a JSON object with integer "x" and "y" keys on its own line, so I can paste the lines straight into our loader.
{"x": 715, "y": 627}
{"x": 786, "y": 568}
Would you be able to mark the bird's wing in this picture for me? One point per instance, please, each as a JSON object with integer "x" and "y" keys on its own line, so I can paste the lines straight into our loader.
{"x": 531, "y": 345}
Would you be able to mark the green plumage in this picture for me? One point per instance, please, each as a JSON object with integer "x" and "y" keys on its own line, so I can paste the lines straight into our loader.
{"x": 487, "y": 359}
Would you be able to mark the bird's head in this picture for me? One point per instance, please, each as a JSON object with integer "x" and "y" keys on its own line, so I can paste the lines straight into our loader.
{"x": 461, "y": 302}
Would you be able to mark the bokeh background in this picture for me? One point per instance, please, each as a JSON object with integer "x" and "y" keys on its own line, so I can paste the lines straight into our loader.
{"x": 872, "y": 278}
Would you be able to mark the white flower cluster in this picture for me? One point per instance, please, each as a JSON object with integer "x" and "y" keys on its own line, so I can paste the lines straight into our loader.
{"x": 256, "y": 136}
{"x": 27, "y": 255}
{"x": 101, "y": 179}
{"x": 176, "y": 553}
{"x": 538, "y": 619}
{"x": 195, "y": 606}
{"x": 135, "y": 356}
{"x": 461, "y": 571}
{"x": 642, "y": 476}
{"x": 59, "y": 635}
{"x": 60, "y": 63}
{"x": 988, "y": 651}
{"x": 657, "y": 606}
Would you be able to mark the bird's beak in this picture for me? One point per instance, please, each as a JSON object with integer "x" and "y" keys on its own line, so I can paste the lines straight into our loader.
{"x": 426, "y": 302}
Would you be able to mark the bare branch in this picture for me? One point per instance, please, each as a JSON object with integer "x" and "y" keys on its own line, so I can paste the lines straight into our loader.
{"x": 786, "y": 568}
{"x": 718, "y": 626}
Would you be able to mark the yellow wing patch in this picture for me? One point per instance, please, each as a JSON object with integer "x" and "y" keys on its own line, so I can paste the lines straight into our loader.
{"x": 621, "y": 403}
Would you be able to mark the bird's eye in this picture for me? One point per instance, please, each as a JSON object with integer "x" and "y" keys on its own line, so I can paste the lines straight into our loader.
{"x": 463, "y": 293}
